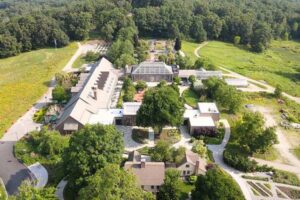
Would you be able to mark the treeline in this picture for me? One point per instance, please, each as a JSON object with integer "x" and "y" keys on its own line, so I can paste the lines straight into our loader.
{"x": 28, "y": 25}
{"x": 256, "y": 22}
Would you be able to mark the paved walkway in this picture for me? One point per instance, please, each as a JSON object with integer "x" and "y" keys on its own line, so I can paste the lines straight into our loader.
{"x": 185, "y": 139}
{"x": 130, "y": 144}
{"x": 12, "y": 171}
{"x": 59, "y": 193}
{"x": 40, "y": 173}
{"x": 218, "y": 157}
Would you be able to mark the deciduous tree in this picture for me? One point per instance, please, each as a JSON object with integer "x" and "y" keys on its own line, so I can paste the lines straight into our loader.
{"x": 111, "y": 182}
{"x": 90, "y": 149}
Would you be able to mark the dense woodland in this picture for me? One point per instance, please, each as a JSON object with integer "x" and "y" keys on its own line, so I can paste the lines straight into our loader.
{"x": 28, "y": 25}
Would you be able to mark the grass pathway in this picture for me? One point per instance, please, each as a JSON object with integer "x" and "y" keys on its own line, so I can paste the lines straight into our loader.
{"x": 267, "y": 87}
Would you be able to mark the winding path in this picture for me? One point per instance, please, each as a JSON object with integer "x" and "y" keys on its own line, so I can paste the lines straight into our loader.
{"x": 12, "y": 171}
{"x": 218, "y": 157}
{"x": 268, "y": 88}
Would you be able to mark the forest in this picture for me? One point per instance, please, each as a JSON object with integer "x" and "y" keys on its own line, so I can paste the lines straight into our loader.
{"x": 35, "y": 24}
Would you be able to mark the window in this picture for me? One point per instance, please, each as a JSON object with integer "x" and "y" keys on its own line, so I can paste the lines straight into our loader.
{"x": 188, "y": 172}
{"x": 187, "y": 166}
{"x": 142, "y": 187}
{"x": 157, "y": 187}
{"x": 183, "y": 172}
{"x": 152, "y": 186}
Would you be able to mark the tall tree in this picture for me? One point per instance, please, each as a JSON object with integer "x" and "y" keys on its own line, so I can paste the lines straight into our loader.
{"x": 161, "y": 106}
{"x": 111, "y": 182}
{"x": 216, "y": 184}
{"x": 261, "y": 37}
{"x": 177, "y": 45}
{"x": 8, "y": 46}
{"x": 170, "y": 190}
{"x": 252, "y": 135}
{"x": 90, "y": 149}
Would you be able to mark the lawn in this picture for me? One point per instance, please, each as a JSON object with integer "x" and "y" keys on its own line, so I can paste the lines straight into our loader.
{"x": 190, "y": 97}
{"x": 24, "y": 79}
{"x": 271, "y": 154}
{"x": 79, "y": 62}
{"x": 278, "y": 65}
{"x": 188, "y": 48}
{"x": 185, "y": 189}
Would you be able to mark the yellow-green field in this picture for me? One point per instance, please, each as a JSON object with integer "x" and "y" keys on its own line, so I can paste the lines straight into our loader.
{"x": 24, "y": 79}
{"x": 278, "y": 65}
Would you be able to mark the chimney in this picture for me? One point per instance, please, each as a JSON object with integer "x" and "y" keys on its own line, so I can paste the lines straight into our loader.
{"x": 143, "y": 163}
{"x": 197, "y": 167}
{"x": 95, "y": 92}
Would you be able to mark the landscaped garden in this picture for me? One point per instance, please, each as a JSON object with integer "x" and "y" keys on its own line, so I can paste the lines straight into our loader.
{"x": 45, "y": 147}
{"x": 24, "y": 79}
{"x": 170, "y": 135}
{"x": 140, "y": 135}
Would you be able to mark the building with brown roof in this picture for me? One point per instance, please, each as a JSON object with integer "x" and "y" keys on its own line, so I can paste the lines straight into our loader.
{"x": 192, "y": 164}
{"x": 150, "y": 175}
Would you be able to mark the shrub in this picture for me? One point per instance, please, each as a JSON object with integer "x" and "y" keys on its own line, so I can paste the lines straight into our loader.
{"x": 141, "y": 85}
{"x": 243, "y": 163}
{"x": 239, "y": 162}
{"x": 59, "y": 94}
{"x": 38, "y": 116}
{"x": 285, "y": 178}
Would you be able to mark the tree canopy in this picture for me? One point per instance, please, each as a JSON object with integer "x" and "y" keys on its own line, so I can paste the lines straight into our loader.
{"x": 216, "y": 184}
{"x": 27, "y": 191}
{"x": 28, "y": 25}
{"x": 252, "y": 135}
{"x": 90, "y": 149}
{"x": 226, "y": 96}
{"x": 161, "y": 106}
{"x": 111, "y": 182}
{"x": 170, "y": 190}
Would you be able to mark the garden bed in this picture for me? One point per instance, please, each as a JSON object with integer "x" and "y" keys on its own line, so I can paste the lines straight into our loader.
{"x": 285, "y": 178}
{"x": 292, "y": 193}
{"x": 28, "y": 153}
{"x": 140, "y": 135}
{"x": 171, "y": 136}
{"x": 258, "y": 178}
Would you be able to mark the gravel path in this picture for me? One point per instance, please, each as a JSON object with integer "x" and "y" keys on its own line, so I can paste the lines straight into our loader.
{"x": 218, "y": 157}
{"x": 284, "y": 146}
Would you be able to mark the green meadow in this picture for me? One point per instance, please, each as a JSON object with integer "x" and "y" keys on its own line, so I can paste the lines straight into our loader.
{"x": 280, "y": 64}
{"x": 24, "y": 79}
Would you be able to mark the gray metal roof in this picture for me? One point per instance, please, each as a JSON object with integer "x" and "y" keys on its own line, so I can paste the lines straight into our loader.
{"x": 152, "y": 68}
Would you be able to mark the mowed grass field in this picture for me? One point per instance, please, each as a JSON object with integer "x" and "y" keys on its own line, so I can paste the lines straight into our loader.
{"x": 278, "y": 65}
{"x": 24, "y": 79}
